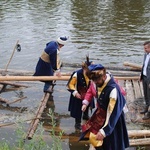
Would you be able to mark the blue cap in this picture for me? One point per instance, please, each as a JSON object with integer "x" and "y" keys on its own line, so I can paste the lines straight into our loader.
{"x": 94, "y": 67}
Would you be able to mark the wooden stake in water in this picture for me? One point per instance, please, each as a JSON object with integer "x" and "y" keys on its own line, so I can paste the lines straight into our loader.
{"x": 11, "y": 56}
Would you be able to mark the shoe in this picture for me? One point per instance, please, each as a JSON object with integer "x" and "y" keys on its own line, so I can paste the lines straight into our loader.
{"x": 78, "y": 126}
{"x": 145, "y": 110}
{"x": 146, "y": 116}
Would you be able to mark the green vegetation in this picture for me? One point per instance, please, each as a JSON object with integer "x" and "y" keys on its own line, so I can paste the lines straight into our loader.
{"x": 37, "y": 142}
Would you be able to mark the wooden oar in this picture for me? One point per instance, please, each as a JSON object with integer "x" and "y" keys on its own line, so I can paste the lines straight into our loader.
{"x": 49, "y": 78}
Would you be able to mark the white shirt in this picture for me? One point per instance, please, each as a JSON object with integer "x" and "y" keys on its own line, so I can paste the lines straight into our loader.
{"x": 145, "y": 64}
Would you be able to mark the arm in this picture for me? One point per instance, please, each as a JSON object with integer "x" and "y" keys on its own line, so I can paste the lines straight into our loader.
{"x": 114, "y": 110}
{"x": 91, "y": 92}
{"x": 72, "y": 86}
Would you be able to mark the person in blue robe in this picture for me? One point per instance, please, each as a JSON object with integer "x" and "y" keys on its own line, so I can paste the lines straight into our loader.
{"x": 49, "y": 62}
{"x": 106, "y": 129}
{"x": 77, "y": 86}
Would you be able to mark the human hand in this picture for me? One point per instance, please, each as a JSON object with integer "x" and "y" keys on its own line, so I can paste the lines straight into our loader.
{"x": 99, "y": 136}
{"x": 57, "y": 73}
{"x": 78, "y": 95}
{"x": 83, "y": 107}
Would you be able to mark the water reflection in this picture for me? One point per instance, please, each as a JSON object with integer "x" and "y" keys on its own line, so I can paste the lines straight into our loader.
{"x": 110, "y": 31}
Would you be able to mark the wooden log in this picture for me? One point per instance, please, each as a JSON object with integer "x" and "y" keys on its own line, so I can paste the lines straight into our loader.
{"x": 32, "y": 78}
{"x": 132, "y": 65}
{"x": 3, "y": 100}
{"x": 12, "y": 123}
{"x": 19, "y": 99}
{"x": 76, "y": 65}
{"x": 12, "y": 84}
{"x": 138, "y": 133}
{"x": 2, "y": 88}
{"x": 34, "y": 123}
{"x": 140, "y": 142}
{"x": 49, "y": 78}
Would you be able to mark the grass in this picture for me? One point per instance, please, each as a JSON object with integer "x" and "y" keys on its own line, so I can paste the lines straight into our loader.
{"x": 37, "y": 142}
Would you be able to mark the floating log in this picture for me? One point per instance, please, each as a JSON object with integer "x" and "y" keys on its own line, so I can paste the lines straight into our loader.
{"x": 140, "y": 142}
{"x": 139, "y": 67}
{"x": 34, "y": 123}
{"x": 12, "y": 123}
{"x": 2, "y": 87}
{"x": 3, "y": 100}
{"x": 77, "y": 65}
{"x": 138, "y": 133}
{"x": 8, "y": 103}
{"x": 49, "y": 78}
{"x": 12, "y": 84}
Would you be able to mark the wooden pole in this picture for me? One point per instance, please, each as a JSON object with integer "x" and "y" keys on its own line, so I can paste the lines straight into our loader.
{"x": 11, "y": 55}
{"x": 19, "y": 99}
{"x": 13, "y": 84}
{"x": 34, "y": 123}
{"x": 49, "y": 78}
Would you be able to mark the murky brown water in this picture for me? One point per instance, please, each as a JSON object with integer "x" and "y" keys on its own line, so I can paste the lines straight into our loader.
{"x": 111, "y": 32}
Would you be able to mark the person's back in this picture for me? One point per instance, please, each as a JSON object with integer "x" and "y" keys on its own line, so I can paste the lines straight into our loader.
{"x": 49, "y": 62}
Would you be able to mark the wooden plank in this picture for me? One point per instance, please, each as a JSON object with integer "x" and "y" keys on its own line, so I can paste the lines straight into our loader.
{"x": 141, "y": 88}
{"x": 137, "y": 89}
{"x": 130, "y": 97}
{"x": 130, "y": 91}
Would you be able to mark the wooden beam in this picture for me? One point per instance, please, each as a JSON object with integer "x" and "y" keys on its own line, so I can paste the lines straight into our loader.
{"x": 49, "y": 78}
{"x": 34, "y": 123}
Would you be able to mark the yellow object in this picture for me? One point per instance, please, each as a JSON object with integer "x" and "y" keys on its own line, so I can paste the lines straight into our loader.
{"x": 93, "y": 141}
{"x": 45, "y": 57}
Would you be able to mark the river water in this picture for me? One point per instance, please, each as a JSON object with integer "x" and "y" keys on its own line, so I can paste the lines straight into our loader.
{"x": 109, "y": 31}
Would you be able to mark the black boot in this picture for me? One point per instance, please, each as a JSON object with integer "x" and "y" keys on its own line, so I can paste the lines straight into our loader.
{"x": 145, "y": 110}
{"x": 146, "y": 116}
{"x": 78, "y": 124}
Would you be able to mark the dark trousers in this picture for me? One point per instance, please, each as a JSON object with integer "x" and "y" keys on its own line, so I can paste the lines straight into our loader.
{"x": 146, "y": 90}
{"x": 99, "y": 148}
